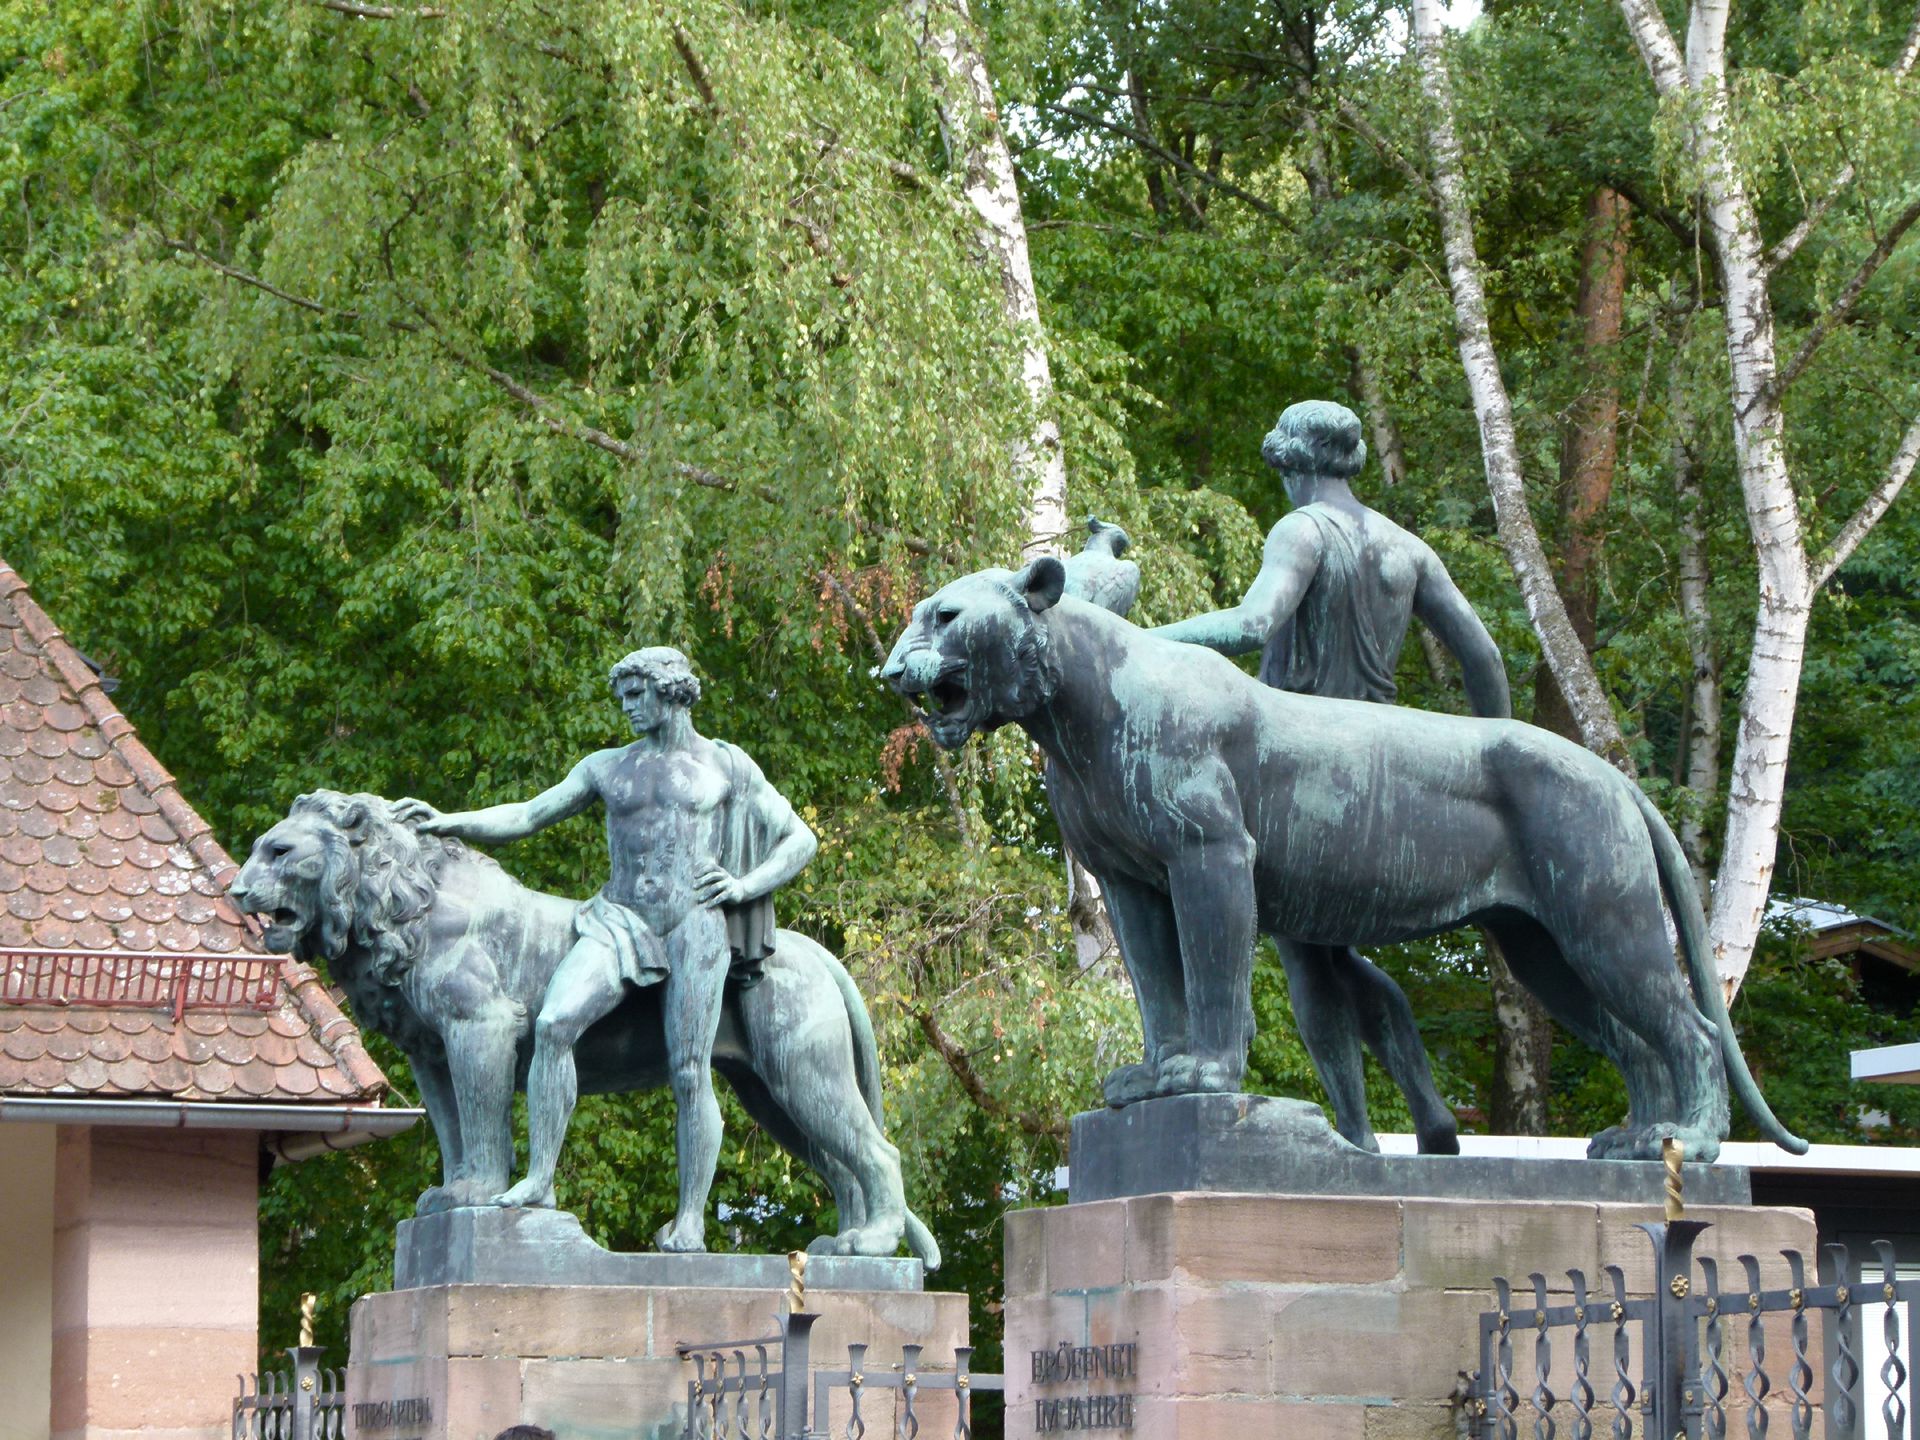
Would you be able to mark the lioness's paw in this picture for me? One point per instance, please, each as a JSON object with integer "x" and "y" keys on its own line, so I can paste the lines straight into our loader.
{"x": 882, "y": 1240}
{"x": 1128, "y": 1084}
{"x": 1190, "y": 1075}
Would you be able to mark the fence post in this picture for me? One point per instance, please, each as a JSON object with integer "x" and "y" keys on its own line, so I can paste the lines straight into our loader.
{"x": 306, "y": 1390}
{"x": 1673, "y": 1345}
{"x": 794, "y": 1374}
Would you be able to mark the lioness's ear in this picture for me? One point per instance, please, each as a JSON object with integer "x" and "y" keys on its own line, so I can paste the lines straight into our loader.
{"x": 1041, "y": 582}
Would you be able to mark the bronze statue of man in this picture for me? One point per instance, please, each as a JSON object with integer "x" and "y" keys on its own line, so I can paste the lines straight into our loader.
{"x": 698, "y": 842}
{"x": 1329, "y": 611}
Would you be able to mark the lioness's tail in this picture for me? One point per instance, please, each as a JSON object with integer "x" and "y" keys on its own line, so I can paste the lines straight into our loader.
{"x": 866, "y": 1069}
{"x": 1676, "y": 878}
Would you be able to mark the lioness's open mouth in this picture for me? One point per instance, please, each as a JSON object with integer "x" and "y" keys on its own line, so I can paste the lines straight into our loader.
{"x": 945, "y": 697}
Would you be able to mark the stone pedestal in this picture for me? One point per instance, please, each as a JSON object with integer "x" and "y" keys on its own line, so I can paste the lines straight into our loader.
{"x": 1265, "y": 1145}
{"x": 494, "y": 1340}
{"x": 1220, "y": 1312}
{"x": 1335, "y": 1318}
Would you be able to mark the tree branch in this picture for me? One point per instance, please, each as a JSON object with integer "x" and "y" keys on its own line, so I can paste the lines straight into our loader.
{"x": 545, "y": 411}
{"x": 1656, "y": 45}
{"x": 961, "y": 1064}
{"x": 1784, "y": 249}
{"x": 943, "y": 766}
{"x": 1171, "y": 157}
{"x": 697, "y": 72}
{"x": 1676, "y": 223}
{"x": 182, "y": 247}
{"x": 1849, "y": 296}
{"x": 1839, "y": 549}
{"x": 1391, "y": 153}
{"x": 381, "y": 12}
{"x": 1789, "y": 244}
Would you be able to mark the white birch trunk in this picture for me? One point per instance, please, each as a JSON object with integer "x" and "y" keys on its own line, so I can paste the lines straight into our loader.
{"x": 1564, "y": 653}
{"x": 971, "y": 121}
{"x": 946, "y": 30}
{"x": 1757, "y": 789}
{"x": 1701, "y": 770}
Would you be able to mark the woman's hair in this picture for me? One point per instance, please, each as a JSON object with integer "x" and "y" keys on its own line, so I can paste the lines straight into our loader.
{"x": 1316, "y": 437}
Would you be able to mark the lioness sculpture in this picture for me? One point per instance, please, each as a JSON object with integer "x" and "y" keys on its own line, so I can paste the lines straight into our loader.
{"x": 1211, "y": 807}
{"x": 448, "y": 956}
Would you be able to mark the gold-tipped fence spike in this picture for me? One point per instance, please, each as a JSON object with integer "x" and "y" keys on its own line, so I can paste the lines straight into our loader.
{"x": 797, "y": 1281}
{"x": 1672, "y": 1154}
{"x": 308, "y": 1302}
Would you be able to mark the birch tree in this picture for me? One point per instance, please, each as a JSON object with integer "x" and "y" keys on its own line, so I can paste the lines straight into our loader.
{"x": 970, "y": 122}
{"x": 976, "y": 139}
{"x": 1560, "y": 643}
{"x": 1694, "y": 84}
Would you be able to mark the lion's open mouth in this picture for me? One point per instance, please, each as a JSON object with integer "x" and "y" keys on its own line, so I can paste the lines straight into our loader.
{"x": 280, "y": 927}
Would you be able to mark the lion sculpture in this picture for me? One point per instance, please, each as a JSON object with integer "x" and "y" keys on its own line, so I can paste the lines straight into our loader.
{"x": 1211, "y": 808}
{"x": 441, "y": 951}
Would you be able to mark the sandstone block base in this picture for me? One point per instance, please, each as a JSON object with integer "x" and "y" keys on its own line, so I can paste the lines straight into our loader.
{"x": 464, "y": 1362}
{"x": 1282, "y": 1315}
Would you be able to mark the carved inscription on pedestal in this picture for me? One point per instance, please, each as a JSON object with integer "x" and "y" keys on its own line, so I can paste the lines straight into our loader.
{"x": 1076, "y": 1365}
{"x": 412, "y": 1413}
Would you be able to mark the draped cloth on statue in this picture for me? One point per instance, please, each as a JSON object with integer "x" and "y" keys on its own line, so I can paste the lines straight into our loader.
{"x": 636, "y": 948}
{"x": 1343, "y": 640}
{"x": 755, "y": 818}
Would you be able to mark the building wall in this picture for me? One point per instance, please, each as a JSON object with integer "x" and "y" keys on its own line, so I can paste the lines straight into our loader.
{"x": 26, "y": 1279}
{"x": 155, "y": 1280}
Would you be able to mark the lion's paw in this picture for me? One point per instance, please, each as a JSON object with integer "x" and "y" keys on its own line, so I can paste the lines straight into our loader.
{"x": 433, "y": 1200}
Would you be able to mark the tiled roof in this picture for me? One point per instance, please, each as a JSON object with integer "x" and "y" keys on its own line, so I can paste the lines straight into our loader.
{"x": 102, "y": 859}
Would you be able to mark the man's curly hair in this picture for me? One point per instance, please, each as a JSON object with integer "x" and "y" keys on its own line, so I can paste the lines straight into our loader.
{"x": 668, "y": 671}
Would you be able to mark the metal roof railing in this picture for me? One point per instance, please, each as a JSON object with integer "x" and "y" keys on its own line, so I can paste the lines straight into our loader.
{"x": 137, "y": 980}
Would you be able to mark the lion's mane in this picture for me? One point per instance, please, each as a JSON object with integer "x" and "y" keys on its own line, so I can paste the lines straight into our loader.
{"x": 377, "y": 884}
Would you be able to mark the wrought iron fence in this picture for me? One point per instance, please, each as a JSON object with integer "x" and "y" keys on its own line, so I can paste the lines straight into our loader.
{"x": 307, "y": 1403}
{"x": 760, "y": 1389}
{"x": 1693, "y": 1341}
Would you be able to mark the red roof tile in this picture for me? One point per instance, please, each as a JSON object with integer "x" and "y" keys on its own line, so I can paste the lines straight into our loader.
{"x": 101, "y": 856}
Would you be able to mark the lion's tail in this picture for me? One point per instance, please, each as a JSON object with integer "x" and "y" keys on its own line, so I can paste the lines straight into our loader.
{"x": 866, "y": 1069}
{"x": 1676, "y": 878}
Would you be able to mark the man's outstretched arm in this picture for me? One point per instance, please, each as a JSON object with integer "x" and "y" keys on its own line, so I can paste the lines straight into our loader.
{"x": 1286, "y": 569}
{"x": 499, "y": 823}
{"x": 1438, "y": 601}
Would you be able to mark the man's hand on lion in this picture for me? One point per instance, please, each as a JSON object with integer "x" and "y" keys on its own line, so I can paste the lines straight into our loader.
{"x": 715, "y": 886}
{"x": 419, "y": 815}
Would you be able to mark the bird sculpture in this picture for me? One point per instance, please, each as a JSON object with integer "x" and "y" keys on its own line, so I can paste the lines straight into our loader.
{"x": 1098, "y": 575}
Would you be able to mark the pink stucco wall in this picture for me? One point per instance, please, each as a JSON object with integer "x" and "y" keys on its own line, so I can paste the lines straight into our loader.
{"x": 155, "y": 1281}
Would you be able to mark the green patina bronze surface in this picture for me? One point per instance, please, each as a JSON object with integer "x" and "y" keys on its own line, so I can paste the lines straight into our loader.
{"x": 1338, "y": 587}
{"x": 675, "y": 968}
{"x": 1212, "y": 807}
